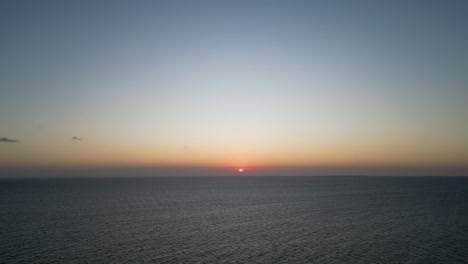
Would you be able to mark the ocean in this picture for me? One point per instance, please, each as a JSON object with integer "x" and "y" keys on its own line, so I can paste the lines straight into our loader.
{"x": 347, "y": 219}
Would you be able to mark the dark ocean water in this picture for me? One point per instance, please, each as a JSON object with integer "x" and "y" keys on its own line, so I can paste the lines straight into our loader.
{"x": 235, "y": 220}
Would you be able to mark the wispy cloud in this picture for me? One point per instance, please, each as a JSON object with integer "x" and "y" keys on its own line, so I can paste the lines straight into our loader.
{"x": 8, "y": 140}
{"x": 76, "y": 138}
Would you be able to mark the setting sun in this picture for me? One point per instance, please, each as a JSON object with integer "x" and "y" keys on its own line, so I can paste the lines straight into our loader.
{"x": 241, "y": 170}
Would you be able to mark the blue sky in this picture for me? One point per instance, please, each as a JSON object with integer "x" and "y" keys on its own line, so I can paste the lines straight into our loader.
{"x": 234, "y": 83}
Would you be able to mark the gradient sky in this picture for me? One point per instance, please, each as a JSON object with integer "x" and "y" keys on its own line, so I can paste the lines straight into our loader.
{"x": 234, "y": 83}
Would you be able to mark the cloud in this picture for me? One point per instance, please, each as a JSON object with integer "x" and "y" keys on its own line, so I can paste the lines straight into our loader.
{"x": 76, "y": 138}
{"x": 8, "y": 140}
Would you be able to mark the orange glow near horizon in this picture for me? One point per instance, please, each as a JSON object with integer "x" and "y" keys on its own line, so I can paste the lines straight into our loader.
{"x": 114, "y": 156}
{"x": 333, "y": 153}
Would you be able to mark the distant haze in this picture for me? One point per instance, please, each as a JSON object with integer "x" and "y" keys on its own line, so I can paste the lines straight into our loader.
{"x": 127, "y": 171}
{"x": 291, "y": 87}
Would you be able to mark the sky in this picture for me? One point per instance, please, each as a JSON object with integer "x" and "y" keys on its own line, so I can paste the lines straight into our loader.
{"x": 293, "y": 87}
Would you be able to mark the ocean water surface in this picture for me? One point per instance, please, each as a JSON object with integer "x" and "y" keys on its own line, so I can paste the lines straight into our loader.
{"x": 235, "y": 220}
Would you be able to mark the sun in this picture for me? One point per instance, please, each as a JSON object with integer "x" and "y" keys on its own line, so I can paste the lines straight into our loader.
{"x": 241, "y": 170}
